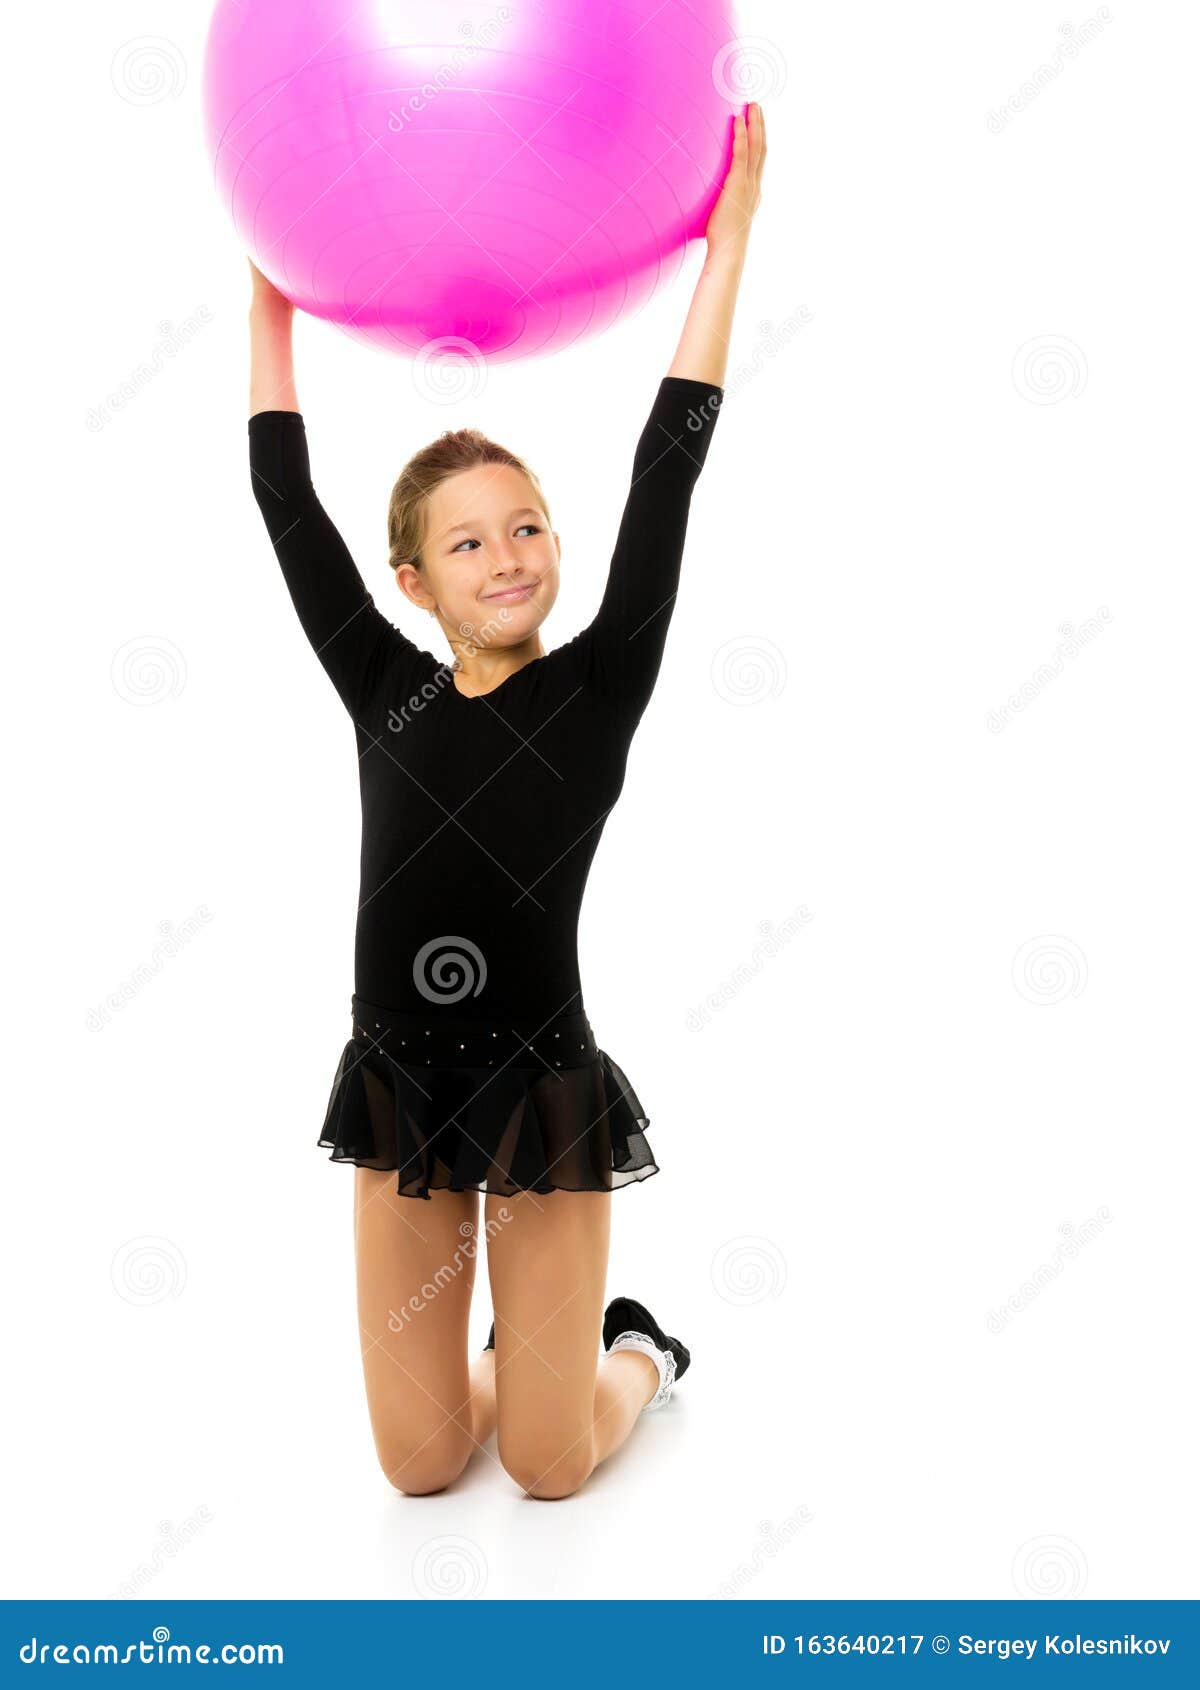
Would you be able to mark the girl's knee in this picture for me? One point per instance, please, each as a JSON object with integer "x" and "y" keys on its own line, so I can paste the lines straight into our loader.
{"x": 421, "y": 1469}
{"x": 544, "y": 1472}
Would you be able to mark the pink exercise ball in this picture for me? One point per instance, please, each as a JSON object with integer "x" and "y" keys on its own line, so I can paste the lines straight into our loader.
{"x": 511, "y": 176}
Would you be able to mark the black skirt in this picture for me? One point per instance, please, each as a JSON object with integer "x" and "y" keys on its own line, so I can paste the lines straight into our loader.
{"x": 482, "y": 1104}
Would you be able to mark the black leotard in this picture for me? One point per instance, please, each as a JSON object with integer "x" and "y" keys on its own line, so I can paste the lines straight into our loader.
{"x": 481, "y": 815}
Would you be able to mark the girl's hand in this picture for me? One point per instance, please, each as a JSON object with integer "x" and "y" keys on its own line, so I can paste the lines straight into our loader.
{"x": 729, "y": 225}
{"x": 703, "y": 352}
{"x": 265, "y": 292}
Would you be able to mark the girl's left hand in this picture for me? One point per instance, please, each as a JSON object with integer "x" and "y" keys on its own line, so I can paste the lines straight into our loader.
{"x": 741, "y": 196}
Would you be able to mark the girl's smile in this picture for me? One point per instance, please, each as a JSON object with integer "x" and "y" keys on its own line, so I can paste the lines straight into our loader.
{"x": 510, "y": 595}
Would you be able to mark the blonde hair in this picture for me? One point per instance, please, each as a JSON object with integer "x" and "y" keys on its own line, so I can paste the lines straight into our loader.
{"x": 451, "y": 452}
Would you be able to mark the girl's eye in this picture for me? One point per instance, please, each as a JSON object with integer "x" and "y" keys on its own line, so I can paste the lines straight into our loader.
{"x": 531, "y": 526}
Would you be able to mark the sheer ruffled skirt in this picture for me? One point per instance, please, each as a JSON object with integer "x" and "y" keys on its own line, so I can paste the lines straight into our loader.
{"x": 474, "y": 1104}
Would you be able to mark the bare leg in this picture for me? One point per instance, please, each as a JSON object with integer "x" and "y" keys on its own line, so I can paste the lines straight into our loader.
{"x": 558, "y": 1414}
{"x": 415, "y": 1265}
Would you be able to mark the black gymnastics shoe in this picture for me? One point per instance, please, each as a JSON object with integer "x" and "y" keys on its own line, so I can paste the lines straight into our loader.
{"x": 629, "y": 1325}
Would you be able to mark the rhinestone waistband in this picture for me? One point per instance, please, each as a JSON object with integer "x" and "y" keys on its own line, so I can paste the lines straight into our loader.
{"x": 447, "y": 1041}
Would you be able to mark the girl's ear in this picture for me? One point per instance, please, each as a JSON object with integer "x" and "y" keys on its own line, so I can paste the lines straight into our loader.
{"x": 411, "y": 585}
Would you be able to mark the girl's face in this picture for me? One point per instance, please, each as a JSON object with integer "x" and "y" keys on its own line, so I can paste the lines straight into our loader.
{"x": 490, "y": 560}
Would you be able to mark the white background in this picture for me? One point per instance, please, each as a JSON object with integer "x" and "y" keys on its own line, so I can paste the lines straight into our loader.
{"x": 983, "y": 1038}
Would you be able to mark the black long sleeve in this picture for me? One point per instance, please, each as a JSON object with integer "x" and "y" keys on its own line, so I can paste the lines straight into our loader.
{"x": 354, "y": 641}
{"x": 626, "y": 639}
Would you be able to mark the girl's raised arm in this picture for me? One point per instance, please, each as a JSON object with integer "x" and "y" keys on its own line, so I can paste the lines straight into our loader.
{"x": 625, "y": 642}
{"x": 704, "y": 345}
{"x": 355, "y": 642}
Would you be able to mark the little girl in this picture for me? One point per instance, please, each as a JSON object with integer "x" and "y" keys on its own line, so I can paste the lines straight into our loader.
{"x": 472, "y": 1065}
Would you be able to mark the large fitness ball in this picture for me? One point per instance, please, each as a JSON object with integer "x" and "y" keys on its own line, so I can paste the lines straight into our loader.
{"x": 515, "y": 176}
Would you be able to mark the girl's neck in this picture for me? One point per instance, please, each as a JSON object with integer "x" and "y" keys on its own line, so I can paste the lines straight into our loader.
{"x": 477, "y": 670}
